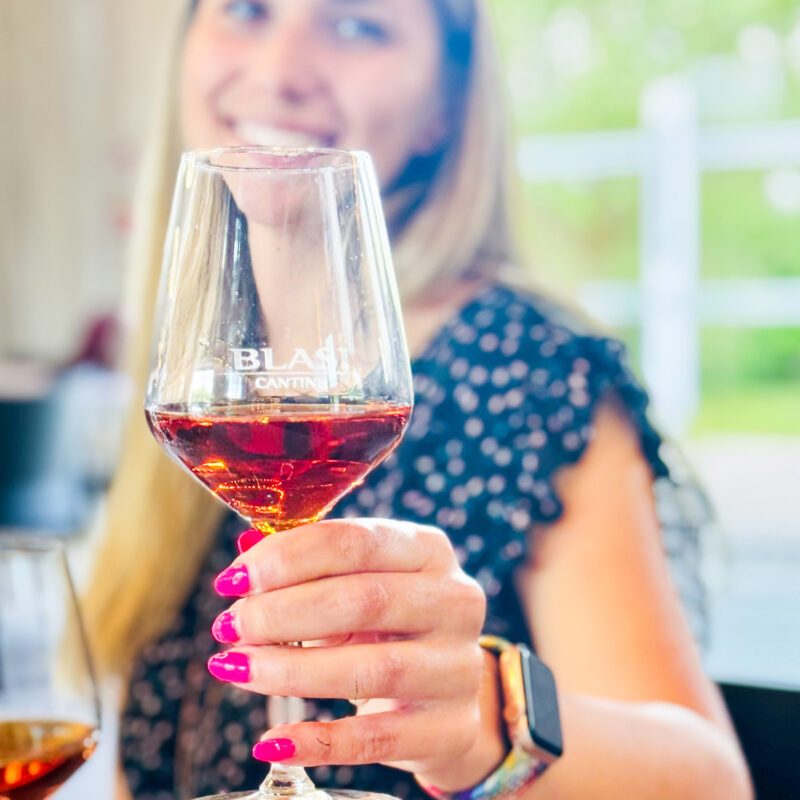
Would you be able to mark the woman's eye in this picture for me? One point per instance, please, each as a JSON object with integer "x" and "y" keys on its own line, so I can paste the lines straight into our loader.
{"x": 246, "y": 10}
{"x": 356, "y": 29}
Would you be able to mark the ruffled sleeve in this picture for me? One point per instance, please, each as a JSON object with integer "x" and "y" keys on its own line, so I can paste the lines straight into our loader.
{"x": 536, "y": 411}
{"x": 683, "y": 510}
{"x": 563, "y": 395}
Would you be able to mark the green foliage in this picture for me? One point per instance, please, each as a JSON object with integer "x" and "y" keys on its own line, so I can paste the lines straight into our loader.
{"x": 582, "y": 65}
{"x": 746, "y": 358}
{"x": 743, "y": 236}
{"x": 585, "y": 232}
{"x": 765, "y": 409}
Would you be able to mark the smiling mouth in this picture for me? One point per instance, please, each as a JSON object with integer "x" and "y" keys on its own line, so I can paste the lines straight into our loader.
{"x": 261, "y": 135}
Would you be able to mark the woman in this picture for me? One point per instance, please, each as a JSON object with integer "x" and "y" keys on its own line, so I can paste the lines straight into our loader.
{"x": 529, "y": 447}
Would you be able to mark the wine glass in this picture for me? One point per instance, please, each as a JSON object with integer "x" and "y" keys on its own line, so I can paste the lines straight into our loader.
{"x": 281, "y": 375}
{"x": 49, "y": 707}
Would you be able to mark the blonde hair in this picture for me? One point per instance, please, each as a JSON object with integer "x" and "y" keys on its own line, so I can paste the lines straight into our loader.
{"x": 158, "y": 521}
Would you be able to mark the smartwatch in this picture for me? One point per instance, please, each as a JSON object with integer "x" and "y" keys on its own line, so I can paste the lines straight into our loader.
{"x": 532, "y": 721}
{"x": 530, "y": 700}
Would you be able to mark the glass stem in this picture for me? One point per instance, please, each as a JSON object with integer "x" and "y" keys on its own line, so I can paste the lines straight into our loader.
{"x": 286, "y": 781}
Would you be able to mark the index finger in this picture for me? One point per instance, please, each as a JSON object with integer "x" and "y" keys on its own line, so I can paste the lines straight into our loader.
{"x": 334, "y": 547}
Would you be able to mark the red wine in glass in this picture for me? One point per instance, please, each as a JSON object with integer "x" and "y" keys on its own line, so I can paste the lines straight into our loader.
{"x": 38, "y": 756}
{"x": 284, "y": 466}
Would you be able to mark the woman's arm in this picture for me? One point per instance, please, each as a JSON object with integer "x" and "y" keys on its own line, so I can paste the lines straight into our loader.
{"x": 640, "y": 718}
{"x": 400, "y": 621}
{"x": 647, "y": 751}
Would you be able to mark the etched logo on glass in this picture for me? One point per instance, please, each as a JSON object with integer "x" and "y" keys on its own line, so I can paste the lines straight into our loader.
{"x": 302, "y": 371}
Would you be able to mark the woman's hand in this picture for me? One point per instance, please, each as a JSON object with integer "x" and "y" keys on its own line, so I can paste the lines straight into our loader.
{"x": 395, "y": 621}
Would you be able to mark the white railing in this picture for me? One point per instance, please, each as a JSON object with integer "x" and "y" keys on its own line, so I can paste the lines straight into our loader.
{"x": 670, "y": 300}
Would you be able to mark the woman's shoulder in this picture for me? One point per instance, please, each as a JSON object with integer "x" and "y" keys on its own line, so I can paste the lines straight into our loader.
{"x": 512, "y": 353}
{"x": 565, "y": 354}
{"x": 535, "y": 322}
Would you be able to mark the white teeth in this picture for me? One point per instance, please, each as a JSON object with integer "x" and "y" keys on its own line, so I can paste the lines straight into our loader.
{"x": 267, "y": 136}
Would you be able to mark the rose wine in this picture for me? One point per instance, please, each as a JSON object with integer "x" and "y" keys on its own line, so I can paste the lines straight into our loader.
{"x": 37, "y": 756}
{"x": 283, "y": 467}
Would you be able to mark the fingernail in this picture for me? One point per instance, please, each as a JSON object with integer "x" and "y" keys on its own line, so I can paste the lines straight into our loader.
{"x": 230, "y": 667}
{"x": 249, "y": 539}
{"x": 274, "y": 750}
{"x": 233, "y": 581}
{"x": 224, "y": 628}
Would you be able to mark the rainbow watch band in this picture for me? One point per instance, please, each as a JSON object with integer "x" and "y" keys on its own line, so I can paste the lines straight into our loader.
{"x": 517, "y": 771}
{"x": 519, "y": 768}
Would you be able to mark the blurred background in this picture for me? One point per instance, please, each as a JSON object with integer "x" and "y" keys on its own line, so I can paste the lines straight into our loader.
{"x": 660, "y": 151}
{"x": 659, "y": 146}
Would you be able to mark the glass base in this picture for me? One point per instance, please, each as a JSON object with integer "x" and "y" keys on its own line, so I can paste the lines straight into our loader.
{"x": 314, "y": 794}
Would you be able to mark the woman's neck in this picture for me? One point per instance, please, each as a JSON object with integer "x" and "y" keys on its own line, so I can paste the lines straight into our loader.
{"x": 424, "y": 318}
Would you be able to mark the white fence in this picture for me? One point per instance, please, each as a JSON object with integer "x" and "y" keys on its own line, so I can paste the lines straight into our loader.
{"x": 670, "y": 300}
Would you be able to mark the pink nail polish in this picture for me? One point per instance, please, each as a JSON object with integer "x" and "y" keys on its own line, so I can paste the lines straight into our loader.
{"x": 224, "y": 628}
{"x": 274, "y": 750}
{"x": 233, "y": 581}
{"x": 230, "y": 667}
{"x": 248, "y": 539}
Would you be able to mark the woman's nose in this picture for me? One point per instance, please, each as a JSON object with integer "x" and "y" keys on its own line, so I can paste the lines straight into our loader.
{"x": 284, "y": 61}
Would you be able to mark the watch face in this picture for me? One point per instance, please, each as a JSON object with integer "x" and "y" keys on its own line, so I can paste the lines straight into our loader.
{"x": 541, "y": 701}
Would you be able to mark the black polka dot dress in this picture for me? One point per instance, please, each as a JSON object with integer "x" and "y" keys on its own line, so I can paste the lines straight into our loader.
{"x": 505, "y": 398}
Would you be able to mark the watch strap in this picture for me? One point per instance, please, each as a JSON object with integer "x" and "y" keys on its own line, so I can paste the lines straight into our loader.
{"x": 526, "y": 761}
{"x": 517, "y": 770}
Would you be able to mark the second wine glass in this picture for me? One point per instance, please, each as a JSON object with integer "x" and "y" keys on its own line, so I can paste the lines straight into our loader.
{"x": 281, "y": 375}
{"x": 49, "y": 707}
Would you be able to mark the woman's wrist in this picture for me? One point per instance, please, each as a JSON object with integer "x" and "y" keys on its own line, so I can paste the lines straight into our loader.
{"x": 489, "y": 747}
